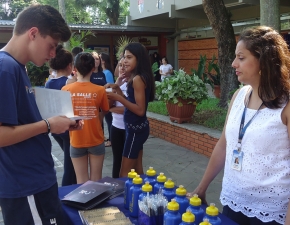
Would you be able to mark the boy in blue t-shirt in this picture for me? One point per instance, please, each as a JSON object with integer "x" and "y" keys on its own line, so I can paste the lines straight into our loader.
{"x": 28, "y": 187}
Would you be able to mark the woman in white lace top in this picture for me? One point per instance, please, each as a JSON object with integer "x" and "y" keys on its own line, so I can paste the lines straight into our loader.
{"x": 256, "y": 187}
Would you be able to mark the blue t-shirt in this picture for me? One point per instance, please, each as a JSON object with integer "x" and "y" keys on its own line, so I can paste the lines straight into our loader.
{"x": 98, "y": 78}
{"x": 109, "y": 76}
{"x": 27, "y": 167}
{"x": 56, "y": 83}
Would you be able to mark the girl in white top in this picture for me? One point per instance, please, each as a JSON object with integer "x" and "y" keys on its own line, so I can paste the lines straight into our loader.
{"x": 256, "y": 187}
{"x": 165, "y": 69}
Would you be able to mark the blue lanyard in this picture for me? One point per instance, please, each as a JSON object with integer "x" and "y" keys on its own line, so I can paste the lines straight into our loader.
{"x": 242, "y": 127}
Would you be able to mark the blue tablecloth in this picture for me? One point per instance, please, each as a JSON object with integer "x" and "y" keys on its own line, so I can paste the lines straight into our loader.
{"x": 73, "y": 217}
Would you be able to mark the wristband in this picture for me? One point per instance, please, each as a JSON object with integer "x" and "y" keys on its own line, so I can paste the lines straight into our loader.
{"x": 48, "y": 126}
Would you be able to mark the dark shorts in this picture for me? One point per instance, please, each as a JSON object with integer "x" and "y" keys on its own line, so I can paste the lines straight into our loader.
{"x": 134, "y": 141}
{"x": 41, "y": 208}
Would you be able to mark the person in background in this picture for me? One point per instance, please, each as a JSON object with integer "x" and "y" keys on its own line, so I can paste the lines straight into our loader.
{"x": 255, "y": 190}
{"x": 62, "y": 64}
{"x": 87, "y": 146}
{"x": 107, "y": 70}
{"x": 118, "y": 133}
{"x": 76, "y": 50}
{"x": 140, "y": 90}
{"x": 98, "y": 77}
{"x": 165, "y": 69}
{"x": 28, "y": 187}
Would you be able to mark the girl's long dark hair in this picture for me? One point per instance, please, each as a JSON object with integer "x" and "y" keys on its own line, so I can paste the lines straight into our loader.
{"x": 269, "y": 47}
{"x": 100, "y": 68}
{"x": 106, "y": 58}
{"x": 143, "y": 67}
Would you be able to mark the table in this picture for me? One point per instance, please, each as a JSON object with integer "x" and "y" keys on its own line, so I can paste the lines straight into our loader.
{"x": 73, "y": 217}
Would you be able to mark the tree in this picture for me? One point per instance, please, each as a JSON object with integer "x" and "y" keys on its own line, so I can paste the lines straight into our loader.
{"x": 270, "y": 13}
{"x": 107, "y": 12}
{"x": 224, "y": 33}
{"x": 10, "y": 8}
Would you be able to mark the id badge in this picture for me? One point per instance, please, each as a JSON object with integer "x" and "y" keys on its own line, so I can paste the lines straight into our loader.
{"x": 237, "y": 160}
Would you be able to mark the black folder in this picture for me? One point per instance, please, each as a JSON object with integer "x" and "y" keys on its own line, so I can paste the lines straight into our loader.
{"x": 88, "y": 195}
{"x": 117, "y": 184}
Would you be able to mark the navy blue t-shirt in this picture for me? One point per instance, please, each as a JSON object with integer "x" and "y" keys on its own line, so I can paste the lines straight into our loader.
{"x": 27, "y": 167}
{"x": 56, "y": 83}
{"x": 98, "y": 78}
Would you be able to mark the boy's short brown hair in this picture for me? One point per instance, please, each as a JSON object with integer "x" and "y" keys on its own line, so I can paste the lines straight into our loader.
{"x": 46, "y": 18}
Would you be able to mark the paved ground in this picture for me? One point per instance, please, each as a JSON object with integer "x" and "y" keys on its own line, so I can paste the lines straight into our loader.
{"x": 183, "y": 166}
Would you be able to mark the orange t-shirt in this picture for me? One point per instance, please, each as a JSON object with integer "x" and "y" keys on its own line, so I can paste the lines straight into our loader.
{"x": 87, "y": 98}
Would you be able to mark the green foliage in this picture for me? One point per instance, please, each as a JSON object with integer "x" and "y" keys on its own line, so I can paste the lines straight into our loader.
{"x": 181, "y": 85}
{"x": 158, "y": 107}
{"x": 121, "y": 44}
{"x": 204, "y": 71}
{"x": 37, "y": 75}
{"x": 154, "y": 68}
{"x": 79, "y": 39}
{"x": 9, "y": 9}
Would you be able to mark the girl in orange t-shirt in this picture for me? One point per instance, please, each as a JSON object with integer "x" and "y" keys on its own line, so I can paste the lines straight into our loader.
{"x": 87, "y": 145}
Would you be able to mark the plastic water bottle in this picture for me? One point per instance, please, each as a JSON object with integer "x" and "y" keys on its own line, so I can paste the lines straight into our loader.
{"x": 172, "y": 216}
{"x": 128, "y": 185}
{"x": 134, "y": 193}
{"x": 181, "y": 199}
{"x": 168, "y": 190}
{"x": 195, "y": 208}
{"x": 146, "y": 188}
{"x": 211, "y": 214}
{"x": 150, "y": 176}
{"x": 205, "y": 222}
{"x": 160, "y": 183}
{"x": 188, "y": 218}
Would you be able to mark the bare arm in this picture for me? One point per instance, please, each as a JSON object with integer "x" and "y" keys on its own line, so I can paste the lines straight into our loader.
{"x": 139, "y": 93}
{"x": 10, "y": 135}
{"x": 216, "y": 163}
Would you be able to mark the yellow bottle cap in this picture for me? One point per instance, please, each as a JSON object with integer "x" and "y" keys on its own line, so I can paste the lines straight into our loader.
{"x": 147, "y": 187}
{"x": 195, "y": 200}
{"x": 212, "y": 210}
{"x": 161, "y": 178}
{"x": 169, "y": 183}
{"x": 132, "y": 174}
{"x": 173, "y": 205}
{"x": 205, "y": 222}
{"x": 188, "y": 217}
{"x": 137, "y": 180}
{"x": 181, "y": 191}
{"x": 151, "y": 171}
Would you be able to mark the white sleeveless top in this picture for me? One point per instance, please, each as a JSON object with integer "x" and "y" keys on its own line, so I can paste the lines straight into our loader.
{"x": 262, "y": 188}
{"x": 118, "y": 119}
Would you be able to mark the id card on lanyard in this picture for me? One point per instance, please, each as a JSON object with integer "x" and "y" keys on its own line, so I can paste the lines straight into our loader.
{"x": 238, "y": 154}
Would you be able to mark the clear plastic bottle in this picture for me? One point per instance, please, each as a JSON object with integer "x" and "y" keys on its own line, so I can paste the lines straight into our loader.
{"x": 195, "y": 208}
{"x": 181, "y": 199}
{"x": 128, "y": 185}
{"x": 172, "y": 216}
{"x": 134, "y": 193}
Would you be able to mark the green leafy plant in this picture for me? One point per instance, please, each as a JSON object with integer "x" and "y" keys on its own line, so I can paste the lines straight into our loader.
{"x": 121, "y": 43}
{"x": 154, "y": 68}
{"x": 181, "y": 85}
{"x": 208, "y": 72}
{"x": 79, "y": 39}
{"x": 37, "y": 75}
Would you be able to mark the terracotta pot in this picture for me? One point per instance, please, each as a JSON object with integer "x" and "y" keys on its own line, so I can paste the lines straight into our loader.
{"x": 181, "y": 113}
{"x": 217, "y": 91}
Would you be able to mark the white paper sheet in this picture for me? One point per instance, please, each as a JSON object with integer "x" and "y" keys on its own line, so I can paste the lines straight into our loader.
{"x": 52, "y": 102}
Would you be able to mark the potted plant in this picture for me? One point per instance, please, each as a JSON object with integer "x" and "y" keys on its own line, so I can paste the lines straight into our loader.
{"x": 181, "y": 92}
{"x": 209, "y": 73}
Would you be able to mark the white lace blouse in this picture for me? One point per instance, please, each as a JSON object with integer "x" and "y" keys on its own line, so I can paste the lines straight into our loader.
{"x": 262, "y": 188}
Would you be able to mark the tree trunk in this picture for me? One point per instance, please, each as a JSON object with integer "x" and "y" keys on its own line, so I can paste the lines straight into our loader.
{"x": 270, "y": 13}
{"x": 224, "y": 34}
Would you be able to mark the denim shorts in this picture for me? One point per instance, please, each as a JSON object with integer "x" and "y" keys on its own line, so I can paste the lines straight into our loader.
{"x": 94, "y": 150}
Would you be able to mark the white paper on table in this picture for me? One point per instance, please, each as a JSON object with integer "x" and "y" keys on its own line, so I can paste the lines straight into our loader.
{"x": 51, "y": 102}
